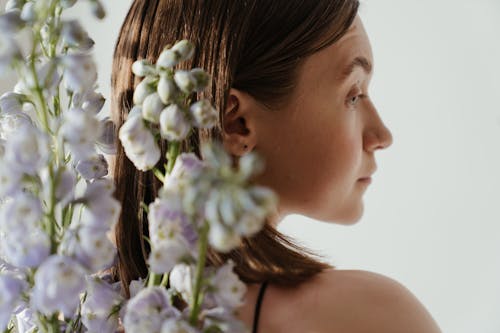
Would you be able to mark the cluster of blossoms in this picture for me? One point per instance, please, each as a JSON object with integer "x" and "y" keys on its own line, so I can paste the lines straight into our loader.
{"x": 57, "y": 206}
{"x": 202, "y": 202}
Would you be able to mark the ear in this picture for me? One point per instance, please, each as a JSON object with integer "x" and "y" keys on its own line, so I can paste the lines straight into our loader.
{"x": 238, "y": 123}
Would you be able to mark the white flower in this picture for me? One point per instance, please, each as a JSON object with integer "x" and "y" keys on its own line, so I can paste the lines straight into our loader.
{"x": 222, "y": 238}
{"x": 152, "y": 107}
{"x": 168, "y": 58}
{"x": 27, "y": 149}
{"x": 181, "y": 280}
{"x": 80, "y": 72}
{"x": 74, "y": 35}
{"x": 58, "y": 284}
{"x": 107, "y": 141}
{"x": 93, "y": 167}
{"x": 9, "y": 51}
{"x": 11, "y": 22}
{"x": 203, "y": 114}
{"x": 143, "y": 68}
{"x": 173, "y": 123}
{"x": 147, "y": 311}
{"x": 11, "y": 102}
{"x": 98, "y": 248}
{"x": 80, "y": 130}
{"x": 166, "y": 254}
{"x": 139, "y": 143}
{"x": 144, "y": 89}
{"x": 23, "y": 212}
{"x": 135, "y": 287}
{"x": 224, "y": 319}
{"x": 24, "y": 248}
{"x": 10, "y": 291}
{"x": 28, "y": 13}
{"x": 13, "y": 4}
{"x": 9, "y": 179}
{"x": 185, "y": 49}
{"x": 173, "y": 325}
{"x": 97, "y": 9}
{"x": 100, "y": 309}
{"x": 102, "y": 210}
{"x": 25, "y": 319}
{"x": 166, "y": 89}
{"x": 92, "y": 102}
{"x": 185, "y": 81}
{"x": 11, "y": 122}
{"x": 228, "y": 289}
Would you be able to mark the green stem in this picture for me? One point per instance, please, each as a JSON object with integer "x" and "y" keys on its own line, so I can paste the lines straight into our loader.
{"x": 154, "y": 279}
{"x": 52, "y": 218}
{"x": 197, "y": 300}
{"x": 173, "y": 152}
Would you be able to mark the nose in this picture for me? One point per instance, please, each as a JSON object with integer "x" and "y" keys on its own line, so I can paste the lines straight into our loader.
{"x": 376, "y": 134}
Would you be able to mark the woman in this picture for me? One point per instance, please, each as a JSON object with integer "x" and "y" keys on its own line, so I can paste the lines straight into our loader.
{"x": 290, "y": 79}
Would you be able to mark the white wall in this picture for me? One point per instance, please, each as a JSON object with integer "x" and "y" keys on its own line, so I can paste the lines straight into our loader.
{"x": 431, "y": 219}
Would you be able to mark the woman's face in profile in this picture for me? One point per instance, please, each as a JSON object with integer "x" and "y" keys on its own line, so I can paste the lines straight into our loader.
{"x": 319, "y": 147}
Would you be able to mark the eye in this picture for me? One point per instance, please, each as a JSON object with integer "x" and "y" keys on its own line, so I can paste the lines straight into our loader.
{"x": 353, "y": 100}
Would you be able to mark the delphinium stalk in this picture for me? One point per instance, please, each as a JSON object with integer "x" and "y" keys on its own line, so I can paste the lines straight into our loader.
{"x": 56, "y": 206}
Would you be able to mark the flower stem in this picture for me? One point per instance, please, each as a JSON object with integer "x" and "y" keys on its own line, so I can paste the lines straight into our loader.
{"x": 173, "y": 152}
{"x": 197, "y": 300}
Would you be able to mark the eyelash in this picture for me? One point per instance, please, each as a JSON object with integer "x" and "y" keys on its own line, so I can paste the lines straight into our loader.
{"x": 359, "y": 96}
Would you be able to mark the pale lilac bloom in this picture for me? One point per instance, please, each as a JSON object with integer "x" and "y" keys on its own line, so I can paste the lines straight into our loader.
{"x": 24, "y": 211}
{"x": 166, "y": 89}
{"x": 11, "y": 122}
{"x": 203, "y": 114}
{"x": 13, "y": 4}
{"x": 100, "y": 309}
{"x": 166, "y": 254}
{"x": 174, "y": 125}
{"x": 91, "y": 101}
{"x": 25, "y": 248}
{"x": 107, "y": 141}
{"x": 98, "y": 248}
{"x": 152, "y": 107}
{"x": 174, "y": 325}
{"x": 227, "y": 289}
{"x": 48, "y": 78}
{"x": 10, "y": 179}
{"x": 66, "y": 181}
{"x": 224, "y": 319}
{"x": 135, "y": 287}
{"x": 147, "y": 311}
{"x": 11, "y": 288}
{"x": 58, "y": 284}
{"x": 11, "y": 102}
{"x": 102, "y": 211}
{"x": 9, "y": 51}
{"x": 139, "y": 143}
{"x": 28, "y": 13}
{"x": 221, "y": 237}
{"x": 74, "y": 35}
{"x": 92, "y": 168}
{"x": 80, "y": 72}
{"x": 11, "y": 22}
{"x": 80, "y": 131}
{"x": 25, "y": 319}
{"x": 97, "y": 9}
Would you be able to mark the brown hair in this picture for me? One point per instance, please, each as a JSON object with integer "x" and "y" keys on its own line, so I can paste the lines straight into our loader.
{"x": 255, "y": 46}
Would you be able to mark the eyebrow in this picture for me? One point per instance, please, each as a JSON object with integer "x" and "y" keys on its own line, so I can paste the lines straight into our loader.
{"x": 359, "y": 61}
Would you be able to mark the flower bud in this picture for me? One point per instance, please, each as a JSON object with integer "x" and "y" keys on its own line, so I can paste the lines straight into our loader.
{"x": 14, "y": 4}
{"x": 185, "y": 49}
{"x": 166, "y": 89}
{"x": 201, "y": 77}
{"x": 143, "y": 90}
{"x": 167, "y": 59}
{"x": 173, "y": 123}
{"x": 185, "y": 81}
{"x": 67, "y": 3}
{"x": 93, "y": 102}
{"x": 93, "y": 168}
{"x": 73, "y": 33}
{"x": 203, "y": 114}
{"x": 98, "y": 9}
{"x": 107, "y": 141}
{"x": 28, "y": 12}
{"x": 152, "y": 107}
{"x": 11, "y": 22}
{"x": 143, "y": 68}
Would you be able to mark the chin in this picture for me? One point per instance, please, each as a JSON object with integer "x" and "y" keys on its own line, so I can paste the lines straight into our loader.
{"x": 347, "y": 217}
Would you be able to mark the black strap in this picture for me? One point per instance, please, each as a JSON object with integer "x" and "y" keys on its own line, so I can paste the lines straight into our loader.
{"x": 257, "y": 306}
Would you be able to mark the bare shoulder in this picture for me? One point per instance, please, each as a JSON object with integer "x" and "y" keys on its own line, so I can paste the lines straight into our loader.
{"x": 362, "y": 301}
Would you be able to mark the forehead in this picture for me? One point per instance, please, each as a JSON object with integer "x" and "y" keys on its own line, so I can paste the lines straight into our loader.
{"x": 335, "y": 59}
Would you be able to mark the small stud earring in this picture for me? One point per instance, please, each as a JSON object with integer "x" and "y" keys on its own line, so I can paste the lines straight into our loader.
{"x": 245, "y": 147}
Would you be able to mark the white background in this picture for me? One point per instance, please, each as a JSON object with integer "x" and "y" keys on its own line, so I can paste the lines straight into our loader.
{"x": 431, "y": 214}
